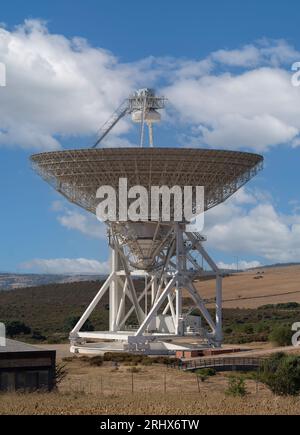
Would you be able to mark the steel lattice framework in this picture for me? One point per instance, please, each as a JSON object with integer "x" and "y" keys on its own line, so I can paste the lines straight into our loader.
{"x": 77, "y": 174}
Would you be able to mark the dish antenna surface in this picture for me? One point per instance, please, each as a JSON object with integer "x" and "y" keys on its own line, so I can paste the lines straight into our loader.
{"x": 154, "y": 263}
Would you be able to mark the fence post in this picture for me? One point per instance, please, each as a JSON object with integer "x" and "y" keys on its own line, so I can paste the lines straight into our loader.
{"x": 132, "y": 389}
{"x": 197, "y": 377}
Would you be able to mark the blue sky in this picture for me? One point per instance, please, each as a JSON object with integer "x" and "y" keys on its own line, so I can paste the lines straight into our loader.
{"x": 225, "y": 68}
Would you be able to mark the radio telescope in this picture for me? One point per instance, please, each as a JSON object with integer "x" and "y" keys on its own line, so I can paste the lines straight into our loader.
{"x": 154, "y": 264}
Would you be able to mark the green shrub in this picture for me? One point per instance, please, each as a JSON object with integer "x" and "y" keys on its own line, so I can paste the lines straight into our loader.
{"x": 134, "y": 370}
{"x": 15, "y": 327}
{"x": 146, "y": 361}
{"x": 236, "y": 386}
{"x": 68, "y": 358}
{"x": 281, "y": 373}
{"x": 205, "y": 373}
{"x": 96, "y": 361}
{"x": 36, "y": 335}
{"x": 281, "y": 336}
{"x": 84, "y": 358}
{"x": 121, "y": 357}
{"x": 71, "y": 321}
{"x": 248, "y": 329}
{"x": 227, "y": 330}
{"x": 262, "y": 327}
{"x": 288, "y": 306}
{"x": 266, "y": 307}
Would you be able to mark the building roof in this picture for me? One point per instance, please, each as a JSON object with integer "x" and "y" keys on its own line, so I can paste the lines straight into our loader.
{"x": 18, "y": 346}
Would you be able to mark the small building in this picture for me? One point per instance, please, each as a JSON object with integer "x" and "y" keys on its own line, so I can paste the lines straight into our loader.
{"x": 25, "y": 367}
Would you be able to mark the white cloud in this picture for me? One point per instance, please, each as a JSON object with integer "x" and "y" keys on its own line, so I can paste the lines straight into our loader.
{"x": 82, "y": 221}
{"x": 255, "y": 230}
{"x": 265, "y": 52}
{"x": 254, "y": 109}
{"x": 57, "y": 206}
{"x": 242, "y": 265}
{"x": 66, "y": 266}
{"x": 58, "y": 87}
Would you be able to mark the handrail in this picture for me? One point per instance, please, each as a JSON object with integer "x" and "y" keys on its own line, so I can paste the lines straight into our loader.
{"x": 216, "y": 362}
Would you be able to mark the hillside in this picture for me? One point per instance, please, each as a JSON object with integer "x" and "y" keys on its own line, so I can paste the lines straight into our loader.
{"x": 46, "y": 308}
{"x": 246, "y": 290}
{"x": 10, "y": 281}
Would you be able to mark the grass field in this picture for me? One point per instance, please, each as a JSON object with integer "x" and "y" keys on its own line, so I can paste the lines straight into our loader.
{"x": 243, "y": 290}
{"x": 155, "y": 390}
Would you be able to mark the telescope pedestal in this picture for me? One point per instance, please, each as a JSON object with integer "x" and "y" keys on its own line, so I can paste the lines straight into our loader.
{"x": 140, "y": 320}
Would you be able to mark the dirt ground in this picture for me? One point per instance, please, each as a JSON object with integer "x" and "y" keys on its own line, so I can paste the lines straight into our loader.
{"x": 243, "y": 290}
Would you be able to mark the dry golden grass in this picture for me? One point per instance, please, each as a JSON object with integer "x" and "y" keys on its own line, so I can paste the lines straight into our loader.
{"x": 101, "y": 390}
{"x": 241, "y": 290}
{"x": 149, "y": 404}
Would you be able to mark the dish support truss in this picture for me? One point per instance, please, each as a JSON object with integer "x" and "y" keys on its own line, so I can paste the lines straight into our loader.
{"x": 161, "y": 296}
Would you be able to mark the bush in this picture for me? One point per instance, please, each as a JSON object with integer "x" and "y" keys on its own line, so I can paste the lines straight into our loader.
{"x": 134, "y": 370}
{"x": 281, "y": 336}
{"x": 288, "y": 306}
{"x": 248, "y": 329}
{"x": 146, "y": 361}
{"x": 205, "y": 373}
{"x": 68, "y": 358}
{"x": 281, "y": 373}
{"x": 262, "y": 327}
{"x": 15, "y": 327}
{"x": 121, "y": 357}
{"x": 36, "y": 335}
{"x": 236, "y": 387}
{"x": 227, "y": 330}
{"x": 281, "y": 306}
{"x": 70, "y": 322}
{"x": 96, "y": 361}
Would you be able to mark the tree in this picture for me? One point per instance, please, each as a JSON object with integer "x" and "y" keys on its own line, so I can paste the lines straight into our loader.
{"x": 281, "y": 373}
{"x": 236, "y": 387}
{"x": 70, "y": 322}
{"x": 14, "y": 327}
{"x": 281, "y": 336}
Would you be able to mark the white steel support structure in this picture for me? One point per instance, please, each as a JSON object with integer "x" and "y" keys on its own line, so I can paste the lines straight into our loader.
{"x": 164, "y": 253}
{"x": 135, "y": 314}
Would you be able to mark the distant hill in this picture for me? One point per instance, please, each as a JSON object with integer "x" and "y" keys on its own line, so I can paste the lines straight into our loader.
{"x": 256, "y": 287}
{"x": 275, "y": 265}
{"x": 10, "y": 281}
{"x": 45, "y": 308}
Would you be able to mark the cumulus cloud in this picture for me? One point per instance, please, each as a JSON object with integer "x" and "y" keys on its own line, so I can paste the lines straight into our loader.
{"x": 66, "y": 266}
{"x": 254, "y": 109}
{"x": 256, "y": 229}
{"x": 82, "y": 221}
{"x": 242, "y": 265}
{"x": 266, "y": 52}
{"x": 61, "y": 87}
{"x": 57, "y": 86}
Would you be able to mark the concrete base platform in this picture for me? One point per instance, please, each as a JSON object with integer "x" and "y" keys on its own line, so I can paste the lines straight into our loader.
{"x": 154, "y": 348}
